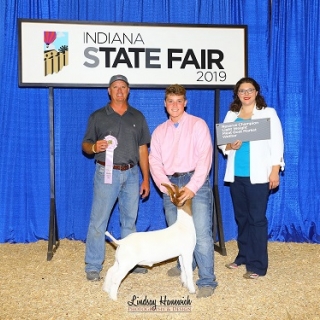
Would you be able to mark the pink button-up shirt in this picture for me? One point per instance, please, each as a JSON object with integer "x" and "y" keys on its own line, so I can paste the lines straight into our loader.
{"x": 183, "y": 148}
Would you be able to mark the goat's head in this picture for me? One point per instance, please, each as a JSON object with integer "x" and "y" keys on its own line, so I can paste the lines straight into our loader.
{"x": 174, "y": 194}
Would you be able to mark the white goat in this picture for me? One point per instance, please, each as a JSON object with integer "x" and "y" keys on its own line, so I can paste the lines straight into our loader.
{"x": 148, "y": 248}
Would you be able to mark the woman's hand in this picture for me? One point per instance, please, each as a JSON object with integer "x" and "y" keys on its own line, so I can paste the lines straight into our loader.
{"x": 274, "y": 179}
{"x": 234, "y": 146}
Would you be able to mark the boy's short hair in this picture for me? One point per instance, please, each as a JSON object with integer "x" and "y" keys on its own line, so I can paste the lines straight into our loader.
{"x": 175, "y": 89}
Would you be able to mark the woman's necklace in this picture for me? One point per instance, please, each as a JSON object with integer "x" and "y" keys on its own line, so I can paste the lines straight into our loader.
{"x": 245, "y": 114}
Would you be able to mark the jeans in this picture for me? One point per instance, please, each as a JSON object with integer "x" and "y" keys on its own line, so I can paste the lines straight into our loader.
{"x": 250, "y": 205}
{"x": 125, "y": 188}
{"x": 202, "y": 208}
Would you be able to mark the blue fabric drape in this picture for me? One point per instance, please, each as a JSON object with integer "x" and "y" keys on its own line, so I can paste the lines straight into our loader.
{"x": 294, "y": 78}
{"x": 283, "y": 53}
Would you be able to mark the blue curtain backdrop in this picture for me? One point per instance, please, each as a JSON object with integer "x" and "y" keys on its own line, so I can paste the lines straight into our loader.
{"x": 284, "y": 50}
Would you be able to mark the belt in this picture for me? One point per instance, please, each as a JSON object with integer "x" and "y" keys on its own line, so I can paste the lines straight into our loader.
{"x": 121, "y": 167}
{"x": 181, "y": 174}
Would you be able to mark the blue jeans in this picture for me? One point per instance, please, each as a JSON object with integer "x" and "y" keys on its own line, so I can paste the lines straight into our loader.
{"x": 125, "y": 188}
{"x": 250, "y": 206}
{"x": 202, "y": 208}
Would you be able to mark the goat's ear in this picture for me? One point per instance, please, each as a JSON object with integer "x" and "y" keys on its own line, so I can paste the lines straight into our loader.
{"x": 174, "y": 194}
{"x": 168, "y": 187}
{"x": 176, "y": 188}
{"x": 170, "y": 191}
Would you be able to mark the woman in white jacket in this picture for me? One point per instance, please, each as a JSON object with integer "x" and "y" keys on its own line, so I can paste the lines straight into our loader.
{"x": 252, "y": 170}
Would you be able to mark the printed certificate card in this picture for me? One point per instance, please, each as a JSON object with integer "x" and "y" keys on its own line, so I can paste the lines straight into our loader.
{"x": 247, "y": 130}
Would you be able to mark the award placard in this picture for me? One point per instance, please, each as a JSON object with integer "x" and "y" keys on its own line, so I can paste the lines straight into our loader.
{"x": 247, "y": 130}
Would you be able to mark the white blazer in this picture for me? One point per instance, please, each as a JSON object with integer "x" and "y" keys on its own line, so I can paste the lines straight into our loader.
{"x": 263, "y": 153}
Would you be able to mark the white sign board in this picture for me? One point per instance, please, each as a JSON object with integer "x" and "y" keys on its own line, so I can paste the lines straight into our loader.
{"x": 86, "y": 54}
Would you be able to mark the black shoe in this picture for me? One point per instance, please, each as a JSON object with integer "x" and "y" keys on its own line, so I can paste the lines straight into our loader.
{"x": 93, "y": 276}
{"x": 139, "y": 270}
{"x": 174, "y": 272}
{"x": 205, "y": 292}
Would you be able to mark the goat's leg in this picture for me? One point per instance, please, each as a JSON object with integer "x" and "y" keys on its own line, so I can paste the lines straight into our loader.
{"x": 117, "y": 278}
{"x": 183, "y": 271}
{"x": 108, "y": 280}
{"x": 187, "y": 272}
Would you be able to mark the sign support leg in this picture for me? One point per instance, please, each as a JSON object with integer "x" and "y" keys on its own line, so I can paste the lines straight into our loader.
{"x": 53, "y": 241}
{"x": 217, "y": 217}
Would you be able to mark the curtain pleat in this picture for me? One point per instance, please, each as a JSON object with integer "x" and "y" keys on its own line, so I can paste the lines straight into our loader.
{"x": 294, "y": 81}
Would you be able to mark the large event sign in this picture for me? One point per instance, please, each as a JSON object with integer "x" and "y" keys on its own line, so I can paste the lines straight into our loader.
{"x": 54, "y": 53}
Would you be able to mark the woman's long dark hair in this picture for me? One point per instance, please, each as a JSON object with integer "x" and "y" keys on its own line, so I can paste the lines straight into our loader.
{"x": 235, "y": 105}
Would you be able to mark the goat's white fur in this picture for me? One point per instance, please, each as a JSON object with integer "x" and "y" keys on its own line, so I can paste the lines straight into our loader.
{"x": 148, "y": 248}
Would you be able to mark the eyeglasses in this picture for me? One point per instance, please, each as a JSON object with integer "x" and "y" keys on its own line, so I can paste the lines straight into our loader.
{"x": 248, "y": 91}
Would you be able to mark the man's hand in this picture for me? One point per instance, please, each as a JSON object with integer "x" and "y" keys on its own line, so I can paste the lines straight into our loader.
{"x": 144, "y": 189}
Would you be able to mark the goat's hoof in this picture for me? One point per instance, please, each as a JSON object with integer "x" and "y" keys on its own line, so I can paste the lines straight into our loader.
{"x": 114, "y": 298}
{"x": 191, "y": 288}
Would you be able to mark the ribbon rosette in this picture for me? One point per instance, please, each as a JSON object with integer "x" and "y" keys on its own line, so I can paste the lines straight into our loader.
{"x": 112, "y": 144}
